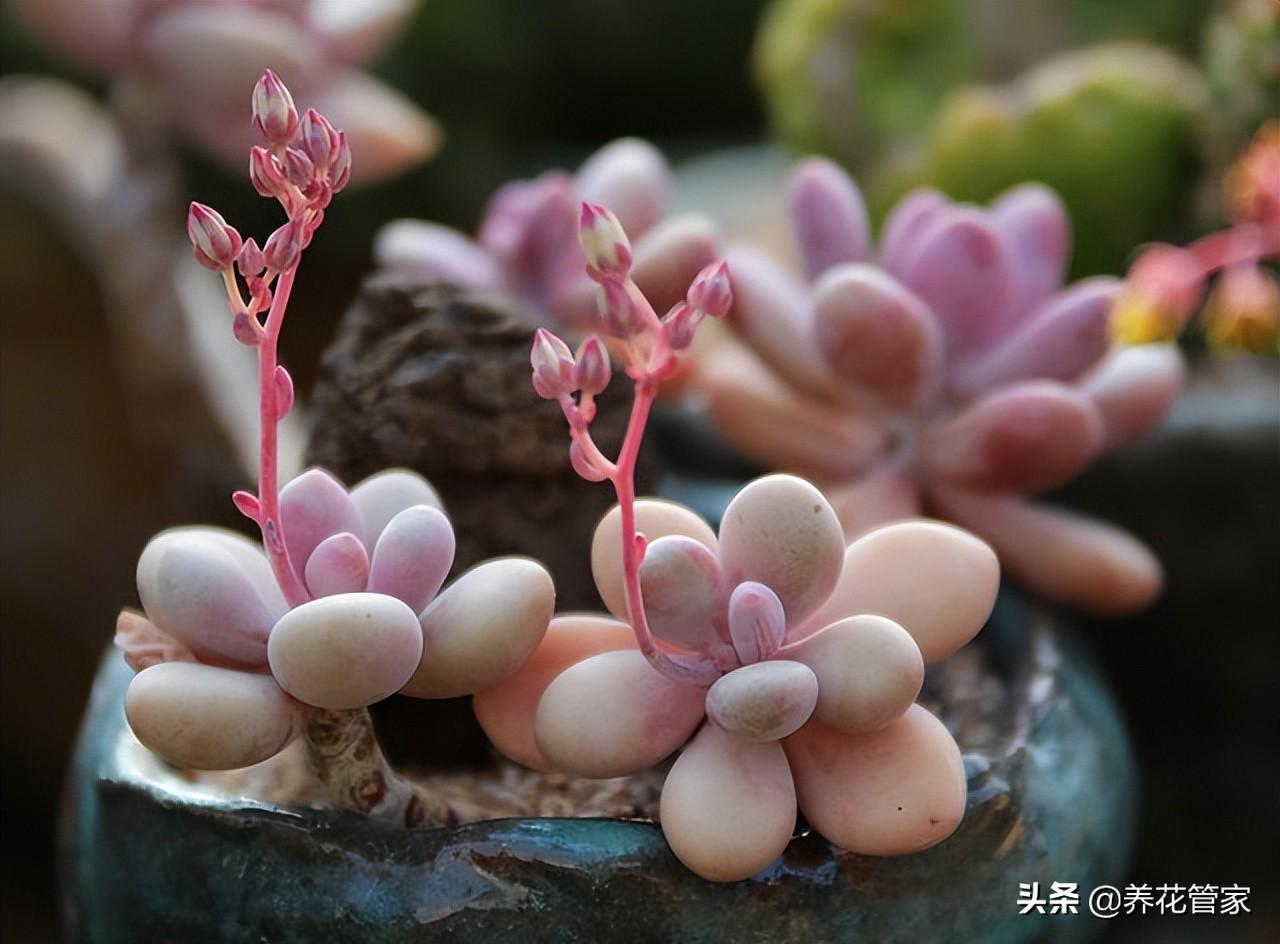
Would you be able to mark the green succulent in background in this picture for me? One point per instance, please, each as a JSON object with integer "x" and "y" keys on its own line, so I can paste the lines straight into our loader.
{"x": 1114, "y": 129}
{"x": 852, "y": 78}
{"x": 841, "y": 77}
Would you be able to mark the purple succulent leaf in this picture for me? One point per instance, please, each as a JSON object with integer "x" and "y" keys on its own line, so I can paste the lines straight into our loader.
{"x": 529, "y": 226}
{"x": 1027, "y": 437}
{"x": 315, "y": 506}
{"x": 432, "y": 251}
{"x": 904, "y": 224}
{"x": 1036, "y": 227}
{"x": 683, "y": 592}
{"x": 962, "y": 268}
{"x": 413, "y": 555}
{"x": 772, "y": 311}
{"x": 1066, "y": 335}
{"x": 757, "y": 622}
{"x": 828, "y": 216}
{"x": 339, "y": 564}
{"x": 670, "y": 255}
{"x": 876, "y": 336}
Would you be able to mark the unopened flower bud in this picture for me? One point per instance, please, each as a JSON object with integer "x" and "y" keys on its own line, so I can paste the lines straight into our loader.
{"x": 593, "y": 370}
{"x": 620, "y": 316}
{"x": 215, "y": 242}
{"x": 284, "y": 246}
{"x": 679, "y": 326}
{"x": 318, "y": 139}
{"x": 604, "y": 243}
{"x": 553, "y": 366}
{"x": 266, "y": 174}
{"x": 298, "y": 169}
{"x": 1244, "y": 310}
{"x": 246, "y": 329}
{"x": 274, "y": 118}
{"x": 250, "y": 261}
{"x": 340, "y": 169}
{"x": 711, "y": 291}
{"x": 584, "y": 466}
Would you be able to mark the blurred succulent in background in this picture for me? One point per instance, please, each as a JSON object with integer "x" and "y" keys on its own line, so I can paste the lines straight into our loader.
{"x": 744, "y": 652}
{"x": 1167, "y": 284}
{"x": 193, "y": 62}
{"x": 950, "y": 374}
{"x": 527, "y": 245}
{"x": 239, "y": 650}
{"x": 1109, "y": 126}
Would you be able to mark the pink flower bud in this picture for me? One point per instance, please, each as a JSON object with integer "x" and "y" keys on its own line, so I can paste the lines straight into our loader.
{"x": 584, "y": 466}
{"x": 318, "y": 139}
{"x": 284, "y": 246}
{"x": 298, "y": 169}
{"x": 593, "y": 371}
{"x": 266, "y": 174}
{"x": 620, "y": 316}
{"x": 711, "y": 291}
{"x": 274, "y": 118}
{"x": 340, "y": 169}
{"x": 604, "y": 243}
{"x": 250, "y": 261}
{"x": 757, "y": 622}
{"x": 553, "y": 366}
{"x": 679, "y": 326}
{"x": 215, "y": 242}
{"x": 284, "y": 392}
{"x": 246, "y": 329}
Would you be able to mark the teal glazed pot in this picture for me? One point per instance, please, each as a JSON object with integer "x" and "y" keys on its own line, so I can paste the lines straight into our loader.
{"x": 149, "y": 857}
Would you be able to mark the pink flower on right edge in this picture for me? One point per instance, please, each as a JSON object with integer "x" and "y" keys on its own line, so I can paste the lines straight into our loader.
{"x": 946, "y": 373}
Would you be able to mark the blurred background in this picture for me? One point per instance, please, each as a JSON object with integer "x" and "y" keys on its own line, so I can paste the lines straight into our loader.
{"x": 107, "y": 433}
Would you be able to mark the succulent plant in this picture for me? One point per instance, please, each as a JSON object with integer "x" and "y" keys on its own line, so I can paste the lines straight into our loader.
{"x": 950, "y": 374}
{"x": 227, "y": 666}
{"x": 240, "y": 649}
{"x": 773, "y": 659}
{"x": 196, "y": 60}
{"x": 526, "y": 243}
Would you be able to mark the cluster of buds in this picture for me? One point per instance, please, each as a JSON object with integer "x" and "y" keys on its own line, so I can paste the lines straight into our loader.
{"x": 302, "y": 163}
{"x": 646, "y": 344}
{"x": 1167, "y": 284}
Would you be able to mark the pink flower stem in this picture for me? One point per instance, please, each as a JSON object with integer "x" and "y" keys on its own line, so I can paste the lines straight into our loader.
{"x": 698, "y": 671}
{"x": 268, "y": 450}
{"x": 1241, "y": 245}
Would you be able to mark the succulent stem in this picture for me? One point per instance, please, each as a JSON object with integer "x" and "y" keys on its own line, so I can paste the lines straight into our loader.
{"x": 353, "y": 774}
{"x": 268, "y": 454}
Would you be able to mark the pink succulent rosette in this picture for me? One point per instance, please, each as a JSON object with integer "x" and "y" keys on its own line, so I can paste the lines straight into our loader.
{"x": 527, "y": 242}
{"x": 227, "y": 669}
{"x": 820, "y": 651}
{"x": 945, "y": 372}
{"x": 197, "y": 59}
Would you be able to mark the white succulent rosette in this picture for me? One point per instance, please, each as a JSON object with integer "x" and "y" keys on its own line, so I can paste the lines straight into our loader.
{"x": 822, "y": 651}
{"x": 227, "y": 671}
